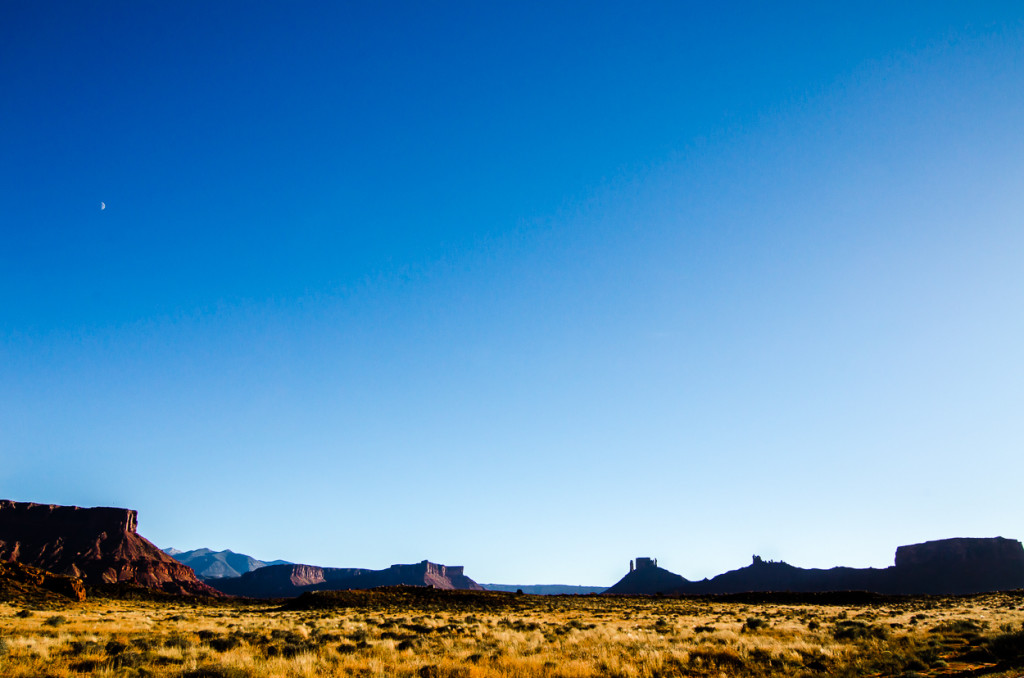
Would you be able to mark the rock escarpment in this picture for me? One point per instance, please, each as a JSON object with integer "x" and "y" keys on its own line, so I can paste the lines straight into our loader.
{"x": 24, "y": 584}
{"x": 287, "y": 581}
{"x": 99, "y": 545}
{"x": 948, "y": 566}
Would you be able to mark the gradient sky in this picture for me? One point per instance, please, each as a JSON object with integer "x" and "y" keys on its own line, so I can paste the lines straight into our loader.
{"x": 529, "y": 289}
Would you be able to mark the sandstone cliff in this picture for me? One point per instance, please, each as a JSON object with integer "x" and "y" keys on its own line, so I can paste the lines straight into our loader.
{"x": 99, "y": 545}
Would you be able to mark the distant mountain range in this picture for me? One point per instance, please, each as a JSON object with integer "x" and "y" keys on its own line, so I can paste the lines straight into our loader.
{"x": 209, "y": 564}
{"x": 947, "y": 566}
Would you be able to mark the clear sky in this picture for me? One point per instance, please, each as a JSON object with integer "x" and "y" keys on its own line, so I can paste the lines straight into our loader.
{"x": 532, "y": 289}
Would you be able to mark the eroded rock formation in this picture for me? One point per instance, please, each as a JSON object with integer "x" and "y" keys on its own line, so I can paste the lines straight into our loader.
{"x": 99, "y": 545}
{"x": 20, "y": 582}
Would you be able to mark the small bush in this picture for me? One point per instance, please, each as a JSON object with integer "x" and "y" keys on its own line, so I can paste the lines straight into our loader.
{"x": 1008, "y": 647}
{"x": 216, "y": 671}
{"x": 224, "y": 644}
{"x": 856, "y": 630}
{"x": 55, "y": 620}
{"x": 115, "y": 648}
{"x": 23, "y": 614}
{"x": 754, "y": 623}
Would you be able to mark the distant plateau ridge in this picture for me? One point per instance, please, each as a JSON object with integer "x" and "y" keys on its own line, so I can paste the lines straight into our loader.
{"x": 947, "y": 566}
{"x": 48, "y": 550}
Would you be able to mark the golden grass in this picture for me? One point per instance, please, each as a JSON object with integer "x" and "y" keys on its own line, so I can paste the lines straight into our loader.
{"x": 549, "y": 637}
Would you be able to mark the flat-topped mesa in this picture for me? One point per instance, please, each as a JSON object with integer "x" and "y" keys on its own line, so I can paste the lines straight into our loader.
{"x": 961, "y": 565}
{"x": 93, "y": 520}
{"x": 100, "y": 545}
{"x": 961, "y": 550}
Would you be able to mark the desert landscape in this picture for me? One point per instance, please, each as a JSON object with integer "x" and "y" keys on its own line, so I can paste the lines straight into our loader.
{"x": 83, "y": 593}
{"x": 434, "y": 634}
{"x": 483, "y": 339}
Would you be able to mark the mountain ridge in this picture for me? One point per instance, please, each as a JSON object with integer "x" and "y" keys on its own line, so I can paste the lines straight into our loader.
{"x": 209, "y": 564}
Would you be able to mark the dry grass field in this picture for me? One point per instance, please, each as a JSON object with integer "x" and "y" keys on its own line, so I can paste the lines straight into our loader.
{"x": 399, "y": 633}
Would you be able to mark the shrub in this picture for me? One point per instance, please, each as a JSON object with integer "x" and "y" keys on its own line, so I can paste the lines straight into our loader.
{"x": 23, "y": 614}
{"x": 115, "y": 648}
{"x": 55, "y": 620}
{"x": 754, "y": 623}
{"x": 216, "y": 671}
{"x": 856, "y": 630}
{"x": 1008, "y": 647}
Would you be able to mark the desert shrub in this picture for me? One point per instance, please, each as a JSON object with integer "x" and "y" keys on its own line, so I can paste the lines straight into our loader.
{"x": 432, "y": 671}
{"x": 79, "y": 647}
{"x": 754, "y": 623}
{"x": 115, "y": 648}
{"x": 216, "y": 671}
{"x": 346, "y": 648}
{"x": 1008, "y": 647}
{"x": 143, "y": 643}
{"x": 915, "y": 664}
{"x": 703, "y": 629}
{"x": 4, "y": 647}
{"x": 812, "y": 625}
{"x": 724, "y": 658}
{"x": 961, "y": 626}
{"x": 85, "y": 665}
{"x": 23, "y": 614}
{"x": 223, "y": 644}
{"x": 55, "y": 620}
{"x": 857, "y": 630}
{"x": 178, "y": 640}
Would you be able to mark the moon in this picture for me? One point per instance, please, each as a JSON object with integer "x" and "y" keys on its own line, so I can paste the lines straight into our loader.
{"x": 103, "y": 206}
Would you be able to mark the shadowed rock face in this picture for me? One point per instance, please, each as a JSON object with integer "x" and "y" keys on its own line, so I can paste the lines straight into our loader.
{"x": 100, "y": 545}
{"x": 948, "y": 566}
{"x": 22, "y": 582}
{"x": 960, "y": 566}
{"x": 650, "y": 579}
{"x": 287, "y": 581}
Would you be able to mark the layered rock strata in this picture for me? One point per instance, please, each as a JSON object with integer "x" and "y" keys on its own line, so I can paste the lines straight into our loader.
{"x": 99, "y": 545}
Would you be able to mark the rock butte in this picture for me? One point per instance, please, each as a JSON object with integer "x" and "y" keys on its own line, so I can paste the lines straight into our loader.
{"x": 99, "y": 545}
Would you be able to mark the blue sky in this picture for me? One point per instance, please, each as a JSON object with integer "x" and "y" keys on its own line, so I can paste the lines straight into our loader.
{"x": 531, "y": 289}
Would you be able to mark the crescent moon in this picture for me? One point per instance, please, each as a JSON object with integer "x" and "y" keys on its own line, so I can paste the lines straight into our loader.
{"x": 103, "y": 205}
